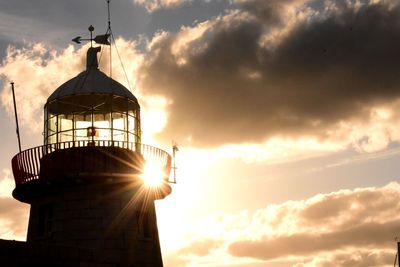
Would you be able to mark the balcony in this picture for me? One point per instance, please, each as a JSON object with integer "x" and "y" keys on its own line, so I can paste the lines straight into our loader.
{"x": 86, "y": 160}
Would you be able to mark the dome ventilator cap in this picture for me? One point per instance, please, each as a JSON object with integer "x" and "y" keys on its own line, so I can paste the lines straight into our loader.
{"x": 91, "y": 58}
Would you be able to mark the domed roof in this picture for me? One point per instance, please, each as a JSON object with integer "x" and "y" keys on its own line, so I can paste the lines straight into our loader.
{"x": 91, "y": 81}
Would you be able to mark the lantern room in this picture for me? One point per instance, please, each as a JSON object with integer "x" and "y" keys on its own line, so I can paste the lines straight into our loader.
{"x": 92, "y": 107}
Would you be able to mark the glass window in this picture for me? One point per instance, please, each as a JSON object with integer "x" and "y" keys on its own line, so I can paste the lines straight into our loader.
{"x": 64, "y": 122}
{"x": 132, "y": 138}
{"x": 65, "y": 128}
{"x": 119, "y": 121}
{"x": 131, "y": 124}
{"x": 102, "y": 125}
{"x": 52, "y": 139}
{"x": 65, "y": 136}
{"x": 119, "y": 135}
{"x": 52, "y": 124}
{"x": 52, "y": 128}
{"x": 119, "y": 127}
{"x": 82, "y": 123}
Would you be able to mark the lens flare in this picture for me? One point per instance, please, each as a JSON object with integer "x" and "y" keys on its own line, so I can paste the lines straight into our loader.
{"x": 153, "y": 174}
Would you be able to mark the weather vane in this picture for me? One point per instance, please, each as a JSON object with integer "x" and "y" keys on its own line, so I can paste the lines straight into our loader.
{"x": 99, "y": 39}
{"x": 102, "y": 39}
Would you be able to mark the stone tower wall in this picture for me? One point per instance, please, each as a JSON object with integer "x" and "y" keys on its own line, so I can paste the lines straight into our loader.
{"x": 115, "y": 219}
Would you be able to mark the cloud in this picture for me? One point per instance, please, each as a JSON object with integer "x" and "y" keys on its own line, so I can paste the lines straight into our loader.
{"x": 13, "y": 219}
{"x": 6, "y": 184}
{"x": 348, "y": 227}
{"x": 271, "y": 12}
{"x": 152, "y": 5}
{"x": 200, "y": 247}
{"x": 368, "y": 235}
{"x": 37, "y": 71}
{"x": 13, "y": 214}
{"x": 313, "y": 69}
{"x": 353, "y": 259}
{"x": 360, "y": 218}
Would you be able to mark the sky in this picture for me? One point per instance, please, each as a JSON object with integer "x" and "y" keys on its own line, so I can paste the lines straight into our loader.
{"x": 286, "y": 113}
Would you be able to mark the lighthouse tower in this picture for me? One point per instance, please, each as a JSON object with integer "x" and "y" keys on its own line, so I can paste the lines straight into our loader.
{"x": 85, "y": 183}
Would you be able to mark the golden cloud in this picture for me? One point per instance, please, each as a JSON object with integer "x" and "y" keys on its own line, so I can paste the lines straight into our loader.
{"x": 348, "y": 226}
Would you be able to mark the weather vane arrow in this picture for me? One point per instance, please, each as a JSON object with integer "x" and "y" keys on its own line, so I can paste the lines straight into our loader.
{"x": 77, "y": 39}
{"x": 99, "y": 39}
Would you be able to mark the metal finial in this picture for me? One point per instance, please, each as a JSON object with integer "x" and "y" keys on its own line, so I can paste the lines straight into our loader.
{"x": 91, "y": 29}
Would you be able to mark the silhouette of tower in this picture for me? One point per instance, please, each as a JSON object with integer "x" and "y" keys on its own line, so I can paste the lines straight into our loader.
{"x": 84, "y": 184}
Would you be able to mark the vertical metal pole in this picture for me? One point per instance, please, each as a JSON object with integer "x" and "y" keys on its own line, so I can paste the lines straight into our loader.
{"x": 16, "y": 117}
{"x": 111, "y": 36}
{"x": 174, "y": 149}
{"x": 398, "y": 253}
{"x": 127, "y": 126}
{"x": 109, "y": 17}
{"x": 173, "y": 155}
{"x": 73, "y": 129}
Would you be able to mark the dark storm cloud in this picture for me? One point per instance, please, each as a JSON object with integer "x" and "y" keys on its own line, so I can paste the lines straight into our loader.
{"x": 329, "y": 67}
{"x": 269, "y": 12}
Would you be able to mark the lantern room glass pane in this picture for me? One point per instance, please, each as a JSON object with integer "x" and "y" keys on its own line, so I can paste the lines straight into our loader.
{"x": 102, "y": 125}
{"x": 132, "y": 137}
{"x": 119, "y": 126}
{"x": 52, "y": 125}
{"x": 65, "y": 123}
{"x": 131, "y": 124}
{"x": 119, "y": 121}
{"x": 82, "y": 122}
{"x": 119, "y": 135}
{"x": 52, "y": 139}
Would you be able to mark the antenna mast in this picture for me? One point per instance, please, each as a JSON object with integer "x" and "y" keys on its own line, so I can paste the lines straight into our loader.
{"x": 16, "y": 117}
{"x": 112, "y": 39}
{"x": 110, "y": 32}
{"x": 174, "y": 150}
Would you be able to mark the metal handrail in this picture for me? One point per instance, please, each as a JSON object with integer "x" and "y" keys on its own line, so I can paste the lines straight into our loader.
{"x": 26, "y": 164}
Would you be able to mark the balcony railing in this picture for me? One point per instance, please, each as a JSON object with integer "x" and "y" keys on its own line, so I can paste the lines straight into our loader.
{"x": 26, "y": 164}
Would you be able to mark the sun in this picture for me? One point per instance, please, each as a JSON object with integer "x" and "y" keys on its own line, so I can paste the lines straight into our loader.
{"x": 153, "y": 174}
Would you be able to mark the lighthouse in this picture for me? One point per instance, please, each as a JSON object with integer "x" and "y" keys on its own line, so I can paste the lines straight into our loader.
{"x": 85, "y": 184}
